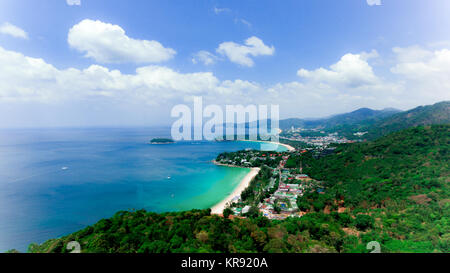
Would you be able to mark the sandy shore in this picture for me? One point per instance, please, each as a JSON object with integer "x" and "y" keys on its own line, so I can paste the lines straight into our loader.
{"x": 219, "y": 207}
{"x": 289, "y": 147}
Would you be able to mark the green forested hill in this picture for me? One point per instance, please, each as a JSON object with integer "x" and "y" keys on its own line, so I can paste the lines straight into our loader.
{"x": 438, "y": 113}
{"x": 413, "y": 161}
{"x": 393, "y": 190}
{"x": 358, "y": 118}
{"x": 377, "y": 122}
{"x": 401, "y": 180}
{"x": 361, "y": 116}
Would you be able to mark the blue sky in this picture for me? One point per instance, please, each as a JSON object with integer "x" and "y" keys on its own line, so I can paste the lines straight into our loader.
{"x": 313, "y": 58}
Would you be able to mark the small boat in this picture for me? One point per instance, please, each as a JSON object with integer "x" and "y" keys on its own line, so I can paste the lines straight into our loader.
{"x": 64, "y": 168}
{"x": 168, "y": 177}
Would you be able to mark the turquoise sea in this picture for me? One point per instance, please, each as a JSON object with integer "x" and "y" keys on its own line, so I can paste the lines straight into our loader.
{"x": 57, "y": 181}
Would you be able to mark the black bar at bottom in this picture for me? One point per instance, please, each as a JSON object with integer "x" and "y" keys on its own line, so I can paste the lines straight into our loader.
{"x": 227, "y": 262}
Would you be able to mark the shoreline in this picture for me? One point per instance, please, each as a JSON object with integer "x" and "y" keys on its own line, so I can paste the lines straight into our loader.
{"x": 218, "y": 208}
{"x": 245, "y": 182}
{"x": 289, "y": 147}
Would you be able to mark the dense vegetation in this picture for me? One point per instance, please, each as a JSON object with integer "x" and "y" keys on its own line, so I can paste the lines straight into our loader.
{"x": 256, "y": 191}
{"x": 393, "y": 190}
{"x": 251, "y": 158}
{"x": 198, "y": 231}
{"x": 401, "y": 181}
{"x": 414, "y": 161}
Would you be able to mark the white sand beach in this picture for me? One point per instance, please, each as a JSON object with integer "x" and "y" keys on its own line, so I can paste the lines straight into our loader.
{"x": 289, "y": 147}
{"x": 219, "y": 207}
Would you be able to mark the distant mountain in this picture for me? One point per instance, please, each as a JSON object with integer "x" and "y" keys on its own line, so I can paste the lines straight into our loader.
{"x": 376, "y": 122}
{"x": 438, "y": 113}
{"x": 358, "y": 116}
{"x": 362, "y": 115}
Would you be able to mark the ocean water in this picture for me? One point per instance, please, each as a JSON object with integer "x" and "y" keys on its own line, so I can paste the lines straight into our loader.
{"x": 57, "y": 181}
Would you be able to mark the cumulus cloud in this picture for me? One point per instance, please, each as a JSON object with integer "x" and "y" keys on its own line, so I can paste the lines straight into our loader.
{"x": 412, "y": 54}
{"x": 419, "y": 76}
{"x": 107, "y": 43}
{"x": 374, "y": 2}
{"x": 205, "y": 57}
{"x": 369, "y": 55}
{"x": 426, "y": 72}
{"x": 24, "y": 78}
{"x": 102, "y": 95}
{"x": 352, "y": 70}
{"x": 73, "y": 2}
{"x": 12, "y": 30}
{"x": 241, "y": 54}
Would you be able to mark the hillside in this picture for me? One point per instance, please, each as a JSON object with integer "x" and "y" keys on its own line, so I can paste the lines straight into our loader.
{"x": 401, "y": 180}
{"x": 413, "y": 161}
{"x": 376, "y": 122}
{"x": 360, "y": 116}
{"x": 356, "y": 117}
{"x": 438, "y": 113}
{"x": 394, "y": 190}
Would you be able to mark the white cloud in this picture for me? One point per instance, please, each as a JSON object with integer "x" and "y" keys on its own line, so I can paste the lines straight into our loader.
{"x": 411, "y": 54}
{"x": 374, "y": 2}
{"x": 352, "y": 70}
{"x": 12, "y": 30}
{"x": 107, "y": 43}
{"x": 419, "y": 76}
{"x": 240, "y": 54}
{"x": 369, "y": 55}
{"x": 425, "y": 72}
{"x": 33, "y": 91}
{"x": 423, "y": 65}
{"x": 24, "y": 78}
{"x": 73, "y": 2}
{"x": 205, "y": 57}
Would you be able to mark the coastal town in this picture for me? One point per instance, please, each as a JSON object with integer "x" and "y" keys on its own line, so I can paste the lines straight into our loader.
{"x": 278, "y": 191}
{"x": 316, "y": 137}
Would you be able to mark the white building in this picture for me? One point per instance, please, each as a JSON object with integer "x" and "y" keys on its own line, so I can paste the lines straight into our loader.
{"x": 245, "y": 209}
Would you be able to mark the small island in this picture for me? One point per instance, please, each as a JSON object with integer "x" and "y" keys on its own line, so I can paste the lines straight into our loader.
{"x": 162, "y": 141}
